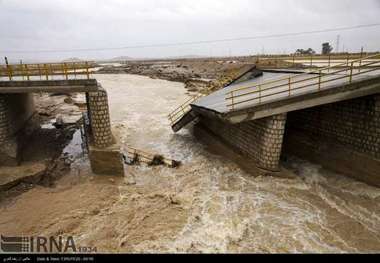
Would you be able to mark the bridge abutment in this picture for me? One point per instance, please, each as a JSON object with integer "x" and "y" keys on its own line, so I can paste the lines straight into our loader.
{"x": 16, "y": 112}
{"x": 4, "y": 121}
{"x": 342, "y": 136}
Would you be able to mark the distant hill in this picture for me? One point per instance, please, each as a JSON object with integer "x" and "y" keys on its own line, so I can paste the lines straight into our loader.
{"x": 186, "y": 56}
{"x": 72, "y": 60}
{"x": 121, "y": 58}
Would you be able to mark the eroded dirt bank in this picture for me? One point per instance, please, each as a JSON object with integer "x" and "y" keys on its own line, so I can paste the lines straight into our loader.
{"x": 209, "y": 204}
{"x": 198, "y": 75}
{"x": 180, "y": 70}
{"x": 44, "y": 155}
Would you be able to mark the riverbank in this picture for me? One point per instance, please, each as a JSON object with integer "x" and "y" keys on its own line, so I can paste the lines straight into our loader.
{"x": 197, "y": 75}
{"x": 46, "y": 156}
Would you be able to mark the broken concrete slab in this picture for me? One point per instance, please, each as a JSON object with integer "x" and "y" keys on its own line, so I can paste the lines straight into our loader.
{"x": 106, "y": 161}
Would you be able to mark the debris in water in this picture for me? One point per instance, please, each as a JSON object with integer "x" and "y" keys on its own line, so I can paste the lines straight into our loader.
{"x": 135, "y": 156}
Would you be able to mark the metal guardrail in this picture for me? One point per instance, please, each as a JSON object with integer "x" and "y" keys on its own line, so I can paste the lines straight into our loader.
{"x": 46, "y": 71}
{"x": 179, "y": 112}
{"x": 287, "y": 85}
{"x": 136, "y": 156}
{"x": 314, "y": 60}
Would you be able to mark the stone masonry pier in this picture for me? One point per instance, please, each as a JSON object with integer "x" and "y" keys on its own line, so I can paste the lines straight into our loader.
{"x": 259, "y": 140}
{"x": 105, "y": 156}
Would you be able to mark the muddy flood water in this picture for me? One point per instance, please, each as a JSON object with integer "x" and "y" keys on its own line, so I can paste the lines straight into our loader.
{"x": 208, "y": 204}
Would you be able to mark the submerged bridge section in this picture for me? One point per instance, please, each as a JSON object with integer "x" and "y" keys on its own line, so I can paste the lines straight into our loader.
{"x": 326, "y": 110}
{"x": 17, "y": 85}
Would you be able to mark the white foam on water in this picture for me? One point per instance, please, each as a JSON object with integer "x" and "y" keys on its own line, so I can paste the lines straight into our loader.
{"x": 228, "y": 209}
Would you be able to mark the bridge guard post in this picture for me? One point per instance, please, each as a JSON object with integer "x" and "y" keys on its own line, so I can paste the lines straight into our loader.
{"x": 104, "y": 149}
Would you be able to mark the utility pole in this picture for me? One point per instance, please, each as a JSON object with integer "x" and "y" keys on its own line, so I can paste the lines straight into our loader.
{"x": 337, "y": 43}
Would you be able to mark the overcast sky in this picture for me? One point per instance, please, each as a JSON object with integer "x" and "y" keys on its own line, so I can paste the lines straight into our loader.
{"x": 78, "y": 24}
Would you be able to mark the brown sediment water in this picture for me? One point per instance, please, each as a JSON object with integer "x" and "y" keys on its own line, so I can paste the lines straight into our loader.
{"x": 208, "y": 204}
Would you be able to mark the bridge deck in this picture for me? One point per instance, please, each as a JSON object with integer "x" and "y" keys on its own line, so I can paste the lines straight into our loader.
{"x": 33, "y": 86}
{"x": 278, "y": 92}
{"x": 48, "y": 77}
{"x": 218, "y": 103}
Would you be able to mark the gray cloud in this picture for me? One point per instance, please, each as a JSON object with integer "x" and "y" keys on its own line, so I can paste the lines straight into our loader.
{"x": 69, "y": 24}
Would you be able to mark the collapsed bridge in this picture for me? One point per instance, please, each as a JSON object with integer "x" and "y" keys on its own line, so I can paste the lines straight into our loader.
{"x": 328, "y": 115}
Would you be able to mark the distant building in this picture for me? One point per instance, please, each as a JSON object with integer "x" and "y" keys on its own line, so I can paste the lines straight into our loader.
{"x": 326, "y": 48}
{"x": 308, "y": 51}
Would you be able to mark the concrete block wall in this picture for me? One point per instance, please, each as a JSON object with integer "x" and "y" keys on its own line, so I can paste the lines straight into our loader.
{"x": 343, "y": 137}
{"x": 21, "y": 109}
{"x": 16, "y": 124}
{"x": 260, "y": 140}
{"x": 354, "y": 124}
{"x": 100, "y": 118}
{"x": 15, "y": 112}
{"x": 4, "y": 120}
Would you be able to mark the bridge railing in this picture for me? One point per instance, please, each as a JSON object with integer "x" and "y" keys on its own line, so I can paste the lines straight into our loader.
{"x": 179, "y": 112}
{"x": 315, "y": 60}
{"x": 46, "y": 71}
{"x": 314, "y": 80}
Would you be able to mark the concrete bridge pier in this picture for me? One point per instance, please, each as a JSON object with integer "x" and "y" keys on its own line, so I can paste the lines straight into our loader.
{"x": 104, "y": 149}
{"x": 259, "y": 140}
